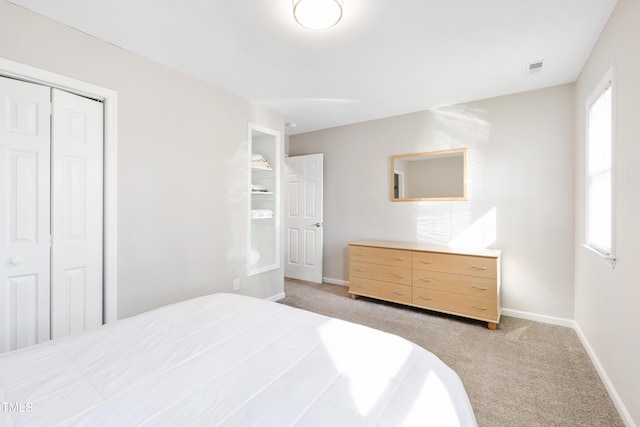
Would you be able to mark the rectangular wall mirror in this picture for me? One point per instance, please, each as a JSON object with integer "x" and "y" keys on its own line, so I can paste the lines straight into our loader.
{"x": 438, "y": 175}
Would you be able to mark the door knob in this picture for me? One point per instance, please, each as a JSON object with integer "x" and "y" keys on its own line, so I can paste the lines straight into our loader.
{"x": 16, "y": 260}
{"x": 318, "y": 224}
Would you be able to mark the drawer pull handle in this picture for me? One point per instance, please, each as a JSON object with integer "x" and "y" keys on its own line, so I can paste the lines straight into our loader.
{"x": 399, "y": 259}
{"x": 424, "y": 279}
{"x": 477, "y": 267}
{"x": 359, "y": 285}
{"x": 426, "y": 298}
{"x": 399, "y": 276}
{"x": 479, "y": 308}
{"x": 360, "y": 270}
{"x": 358, "y": 254}
{"x": 426, "y": 261}
{"x": 399, "y": 293}
{"x": 482, "y": 288}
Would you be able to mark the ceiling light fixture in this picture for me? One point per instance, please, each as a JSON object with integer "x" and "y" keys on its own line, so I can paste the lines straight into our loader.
{"x": 317, "y": 14}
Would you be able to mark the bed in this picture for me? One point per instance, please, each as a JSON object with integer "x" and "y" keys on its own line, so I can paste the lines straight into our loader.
{"x": 230, "y": 360}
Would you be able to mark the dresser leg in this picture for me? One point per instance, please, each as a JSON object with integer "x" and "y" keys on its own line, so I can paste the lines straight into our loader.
{"x": 354, "y": 296}
{"x": 492, "y": 326}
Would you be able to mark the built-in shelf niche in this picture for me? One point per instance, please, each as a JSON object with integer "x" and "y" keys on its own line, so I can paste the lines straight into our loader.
{"x": 264, "y": 194}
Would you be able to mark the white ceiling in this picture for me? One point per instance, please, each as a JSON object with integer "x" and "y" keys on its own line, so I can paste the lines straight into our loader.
{"x": 386, "y": 57}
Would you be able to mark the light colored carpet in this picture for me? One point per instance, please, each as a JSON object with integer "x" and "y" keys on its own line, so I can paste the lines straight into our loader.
{"x": 524, "y": 373}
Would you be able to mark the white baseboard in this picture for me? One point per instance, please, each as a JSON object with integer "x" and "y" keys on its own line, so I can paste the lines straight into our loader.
{"x": 542, "y": 318}
{"x": 335, "y": 281}
{"x": 276, "y": 297}
{"x": 622, "y": 409}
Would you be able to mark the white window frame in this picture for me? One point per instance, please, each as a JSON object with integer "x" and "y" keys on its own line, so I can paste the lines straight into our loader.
{"x": 603, "y": 254}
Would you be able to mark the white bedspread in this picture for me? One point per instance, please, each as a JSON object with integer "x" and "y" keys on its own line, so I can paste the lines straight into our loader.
{"x": 230, "y": 360}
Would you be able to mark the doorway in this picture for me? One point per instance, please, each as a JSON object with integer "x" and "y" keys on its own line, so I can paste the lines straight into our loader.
{"x": 304, "y": 217}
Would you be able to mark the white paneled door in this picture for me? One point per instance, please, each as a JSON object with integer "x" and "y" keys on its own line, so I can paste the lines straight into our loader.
{"x": 51, "y": 196}
{"x": 24, "y": 214}
{"x": 304, "y": 216}
{"x": 76, "y": 262}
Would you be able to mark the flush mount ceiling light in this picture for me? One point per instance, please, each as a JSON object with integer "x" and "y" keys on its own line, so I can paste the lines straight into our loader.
{"x": 317, "y": 14}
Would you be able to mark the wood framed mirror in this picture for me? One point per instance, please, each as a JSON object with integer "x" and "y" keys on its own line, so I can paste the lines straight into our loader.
{"x": 432, "y": 176}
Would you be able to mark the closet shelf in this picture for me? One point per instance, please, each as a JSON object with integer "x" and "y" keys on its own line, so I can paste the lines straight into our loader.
{"x": 259, "y": 169}
{"x": 265, "y": 148}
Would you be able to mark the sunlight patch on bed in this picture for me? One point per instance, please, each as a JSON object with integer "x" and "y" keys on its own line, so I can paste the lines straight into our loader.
{"x": 432, "y": 405}
{"x": 356, "y": 352}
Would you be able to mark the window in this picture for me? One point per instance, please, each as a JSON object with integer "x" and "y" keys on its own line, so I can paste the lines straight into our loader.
{"x": 600, "y": 182}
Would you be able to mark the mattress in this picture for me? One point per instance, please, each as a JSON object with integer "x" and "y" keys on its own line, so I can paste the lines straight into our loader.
{"x": 230, "y": 360}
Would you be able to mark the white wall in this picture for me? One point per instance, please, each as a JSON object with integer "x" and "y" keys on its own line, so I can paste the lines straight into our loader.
{"x": 182, "y": 165}
{"x": 608, "y": 300}
{"x": 520, "y": 189}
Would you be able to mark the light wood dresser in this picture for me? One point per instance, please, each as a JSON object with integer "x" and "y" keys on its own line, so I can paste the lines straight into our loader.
{"x": 461, "y": 282}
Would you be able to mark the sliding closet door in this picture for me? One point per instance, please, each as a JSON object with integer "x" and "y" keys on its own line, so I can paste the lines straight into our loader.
{"x": 24, "y": 214}
{"x": 77, "y": 175}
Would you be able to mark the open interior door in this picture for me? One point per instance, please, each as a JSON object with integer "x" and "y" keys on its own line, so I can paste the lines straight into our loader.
{"x": 303, "y": 219}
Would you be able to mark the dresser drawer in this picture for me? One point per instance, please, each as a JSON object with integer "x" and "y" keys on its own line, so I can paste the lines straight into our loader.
{"x": 456, "y": 264}
{"x": 472, "y": 306}
{"x": 386, "y": 273}
{"x": 456, "y": 283}
{"x": 395, "y": 257}
{"x": 438, "y": 278}
{"x": 382, "y": 290}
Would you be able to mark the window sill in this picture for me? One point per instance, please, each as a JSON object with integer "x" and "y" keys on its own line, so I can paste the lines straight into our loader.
{"x": 610, "y": 260}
